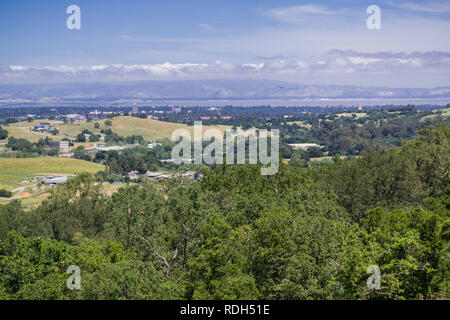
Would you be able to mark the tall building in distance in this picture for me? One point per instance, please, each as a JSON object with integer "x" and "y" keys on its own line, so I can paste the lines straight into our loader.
{"x": 135, "y": 109}
{"x": 63, "y": 146}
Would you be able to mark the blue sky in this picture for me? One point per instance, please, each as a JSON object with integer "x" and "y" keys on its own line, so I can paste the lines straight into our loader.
{"x": 304, "y": 41}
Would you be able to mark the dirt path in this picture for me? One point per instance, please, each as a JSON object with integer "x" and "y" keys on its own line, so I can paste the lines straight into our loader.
{"x": 20, "y": 191}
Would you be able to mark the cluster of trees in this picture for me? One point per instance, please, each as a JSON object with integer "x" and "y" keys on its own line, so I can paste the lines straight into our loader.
{"x": 376, "y": 129}
{"x": 92, "y": 137}
{"x": 351, "y": 136}
{"x": 113, "y": 138}
{"x": 301, "y": 234}
{"x": 8, "y": 121}
{"x": 3, "y": 133}
{"x": 259, "y": 116}
{"x": 25, "y": 149}
{"x": 139, "y": 158}
{"x": 81, "y": 154}
{"x": 5, "y": 193}
{"x": 394, "y": 177}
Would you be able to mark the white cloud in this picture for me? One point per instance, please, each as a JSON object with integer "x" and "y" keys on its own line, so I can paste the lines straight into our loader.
{"x": 303, "y": 13}
{"x": 294, "y": 13}
{"x": 362, "y": 60}
{"x": 255, "y": 66}
{"x": 305, "y": 31}
{"x": 329, "y": 68}
{"x": 161, "y": 39}
{"x": 430, "y": 7}
{"x": 207, "y": 27}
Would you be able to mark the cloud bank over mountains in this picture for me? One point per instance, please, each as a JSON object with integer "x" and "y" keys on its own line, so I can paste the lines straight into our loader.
{"x": 335, "y": 66}
{"x": 211, "y": 89}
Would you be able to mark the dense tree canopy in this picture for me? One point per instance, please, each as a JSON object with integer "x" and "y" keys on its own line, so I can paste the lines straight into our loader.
{"x": 304, "y": 233}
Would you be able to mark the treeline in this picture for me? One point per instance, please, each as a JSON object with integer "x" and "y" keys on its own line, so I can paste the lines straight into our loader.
{"x": 259, "y": 116}
{"x": 396, "y": 177}
{"x": 113, "y": 138}
{"x": 3, "y": 133}
{"x": 138, "y": 158}
{"x": 301, "y": 234}
{"x": 351, "y": 136}
{"x": 375, "y": 129}
{"x": 22, "y": 148}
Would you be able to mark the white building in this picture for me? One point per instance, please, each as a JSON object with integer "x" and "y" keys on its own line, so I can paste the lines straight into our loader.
{"x": 63, "y": 146}
{"x": 133, "y": 175}
{"x": 151, "y": 145}
{"x": 57, "y": 180}
{"x": 304, "y": 146}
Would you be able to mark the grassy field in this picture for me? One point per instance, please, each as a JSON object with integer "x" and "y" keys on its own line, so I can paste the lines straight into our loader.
{"x": 300, "y": 123}
{"x": 31, "y": 203}
{"x": 445, "y": 114}
{"x": 33, "y": 196}
{"x": 348, "y": 114}
{"x": 83, "y": 144}
{"x": 126, "y": 126}
{"x": 17, "y": 131}
{"x": 13, "y": 170}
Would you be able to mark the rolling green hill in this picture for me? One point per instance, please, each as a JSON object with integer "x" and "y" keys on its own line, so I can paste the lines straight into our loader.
{"x": 13, "y": 170}
{"x": 445, "y": 113}
{"x": 22, "y": 130}
{"x": 127, "y": 126}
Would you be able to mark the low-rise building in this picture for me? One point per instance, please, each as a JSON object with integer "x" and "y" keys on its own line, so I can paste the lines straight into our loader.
{"x": 151, "y": 145}
{"x": 153, "y": 175}
{"x": 55, "y": 181}
{"x": 133, "y": 175}
{"x": 304, "y": 146}
{"x": 101, "y": 148}
{"x": 173, "y": 160}
{"x": 157, "y": 175}
{"x": 42, "y": 128}
{"x": 63, "y": 146}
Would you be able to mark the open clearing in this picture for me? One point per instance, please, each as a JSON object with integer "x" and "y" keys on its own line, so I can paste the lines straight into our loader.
{"x": 301, "y": 124}
{"x": 29, "y": 193}
{"x": 348, "y": 114}
{"x": 21, "y": 130}
{"x": 150, "y": 129}
{"x": 13, "y": 170}
{"x": 124, "y": 126}
{"x": 444, "y": 112}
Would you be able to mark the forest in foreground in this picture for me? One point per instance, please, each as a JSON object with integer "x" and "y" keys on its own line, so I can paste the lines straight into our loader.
{"x": 305, "y": 233}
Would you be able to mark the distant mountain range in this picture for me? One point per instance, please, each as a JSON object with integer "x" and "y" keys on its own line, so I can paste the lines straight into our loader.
{"x": 204, "y": 90}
